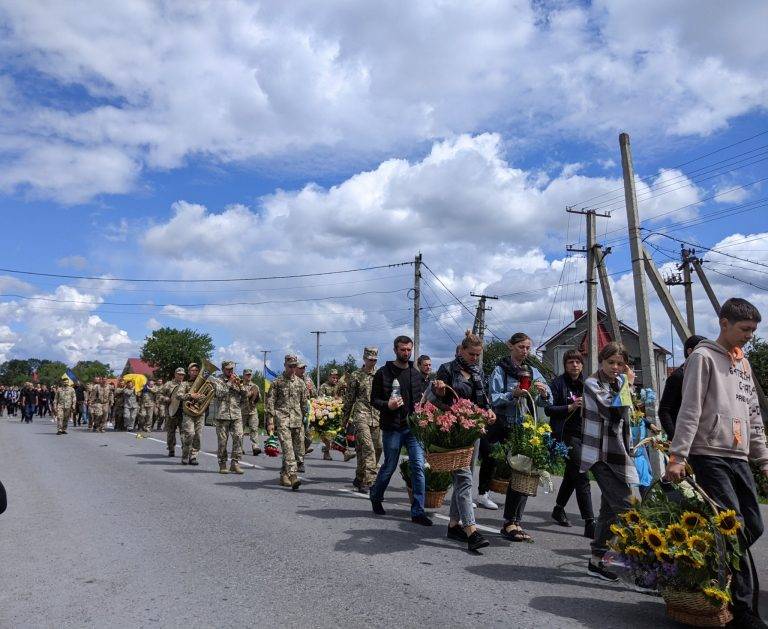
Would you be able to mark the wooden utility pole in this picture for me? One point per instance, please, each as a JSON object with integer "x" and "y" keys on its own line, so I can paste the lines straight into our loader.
{"x": 591, "y": 251}
{"x": 647, "y": 359}
{"x": 478, "y": 327}
{"x": 416, "y": 305}
{"x": 317, "y": 333}
{"x": 610, "y": 308}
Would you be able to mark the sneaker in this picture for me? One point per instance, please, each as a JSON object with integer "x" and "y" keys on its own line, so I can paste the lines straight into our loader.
{"x": 590, "y": 529}
{"x": 378, "y": 509}
{"x": 484, "y": 501}
{"x": 558, "y": 515}
{"x": 599, "y": 571}
{"x": 422, "y": 519}
{"x": 457, "y": 533}
{"x": 476, "y": 541}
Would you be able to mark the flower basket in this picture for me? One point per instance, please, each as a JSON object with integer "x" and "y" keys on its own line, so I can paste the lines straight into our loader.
{"x": 450, "y": 460}
{"x": 432, "y": 499}
{"x": 695, "y": 609}
{"x": 499, "y": 485}
{"x": 526, "y": 484}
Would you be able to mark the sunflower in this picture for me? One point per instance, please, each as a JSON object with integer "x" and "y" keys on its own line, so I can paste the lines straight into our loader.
{"x": 634, "y": 552}
{"x": 677, "y": 534}
{"x": 535, "y": 441}
{"x": 619, "y": 530}
{"x": 727, "y": 522}
{"x": 639, "y": 534}
{"x": 655, "y": 538}
{"x": 718, "y": 596}
{"x": 663, "y": 555}
{"x": 632, "y": 517}
{"x": 684, "y": 556}
{"x": 691, "y": 520}
{"x": 698, "y": 543}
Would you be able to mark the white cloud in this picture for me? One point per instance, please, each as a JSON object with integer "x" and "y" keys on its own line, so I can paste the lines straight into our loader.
{"x": 162, "y": 83}
{"x": 73, "y": 262}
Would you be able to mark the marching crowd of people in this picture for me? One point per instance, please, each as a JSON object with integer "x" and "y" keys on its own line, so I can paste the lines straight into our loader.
{"x": 709, "y": 411}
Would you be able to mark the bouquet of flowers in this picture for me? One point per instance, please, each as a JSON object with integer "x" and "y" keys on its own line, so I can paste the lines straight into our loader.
{"x": 272, "y": 446}
{"x": 325, "y": 416}
{"x": 533, "y": 452}
{"x": 679, "y": 545}
{"x": 451, "y": 429}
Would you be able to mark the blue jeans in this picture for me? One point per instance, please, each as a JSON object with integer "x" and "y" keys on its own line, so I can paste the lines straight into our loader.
{"x": 393, "y": 441}
{"x": 28, "y": 412}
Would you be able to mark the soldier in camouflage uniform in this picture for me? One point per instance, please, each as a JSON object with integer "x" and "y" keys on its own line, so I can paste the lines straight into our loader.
{"x": 130, "y": 405}
{"x": 301, "y": 374}
{"x": 250, "y": 409}
{"x": 229, "y": 417}
{"x": 365, "y": 419}
{"x": 173, "y": 422}
{"x": 64, "y": 405}
{"x": 329, "y": 388}
{"x": 286, "y": 402}
{"x": 189, "y": 424}
{"x": 147, "y": 406}
{"x": 161, "y": 405}
{"x": 98, "y": 399}
{"x": 110, "y": 404}
{"x": 118, "y": 408}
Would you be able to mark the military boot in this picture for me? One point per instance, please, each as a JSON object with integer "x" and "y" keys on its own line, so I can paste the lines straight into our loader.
{"x": 285, "y": 480}
{"x": 295, "y": 482}
{"x": 235, "y": 467}
{"x": 223, "y": 468}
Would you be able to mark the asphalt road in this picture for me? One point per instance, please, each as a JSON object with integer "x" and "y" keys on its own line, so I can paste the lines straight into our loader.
{"x": 104, "y": 530}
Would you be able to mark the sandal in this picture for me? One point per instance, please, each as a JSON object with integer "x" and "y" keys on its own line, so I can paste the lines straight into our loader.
{"x": 515, "y": 533}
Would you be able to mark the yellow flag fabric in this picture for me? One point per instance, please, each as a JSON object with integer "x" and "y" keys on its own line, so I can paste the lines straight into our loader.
{"x": 139, "y": 380}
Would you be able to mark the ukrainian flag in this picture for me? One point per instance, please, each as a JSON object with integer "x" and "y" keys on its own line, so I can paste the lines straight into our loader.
{"x": 269, "y": 377}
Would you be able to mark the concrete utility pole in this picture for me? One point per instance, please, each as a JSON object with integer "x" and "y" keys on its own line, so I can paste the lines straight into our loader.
{"x": 673, "y": 312}
{"x": 264, "y": 373}
{"x": 591, "y": 251}
{"x": 478, "y": 327}
{"x": 610, "y": 308}
{"x": 647, "y": 361}
{"x": 416, "y": 305}
{"x": 685, "y": 267}
{"x": 705, "y": 283}
{"x": 317, "y": 333}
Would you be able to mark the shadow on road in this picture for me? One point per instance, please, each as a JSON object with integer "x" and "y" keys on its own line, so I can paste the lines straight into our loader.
{"x": 378, "y": 541}
{"x": 603, "y": 612}
{"x": 546, "y": 575}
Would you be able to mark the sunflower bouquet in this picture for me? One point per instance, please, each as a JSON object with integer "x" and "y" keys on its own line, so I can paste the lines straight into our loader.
{"x": 325, "y": 415}
{"x": 674, "y": 543}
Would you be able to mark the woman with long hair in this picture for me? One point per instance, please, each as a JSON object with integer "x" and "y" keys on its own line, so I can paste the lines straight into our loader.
{"x": 465, "y": 376}
{"x": 511, "y": 403}
{"x": 605, "y": 447}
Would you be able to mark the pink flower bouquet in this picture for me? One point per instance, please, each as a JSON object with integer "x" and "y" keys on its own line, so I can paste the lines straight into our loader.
{"x": 456, "y": 427}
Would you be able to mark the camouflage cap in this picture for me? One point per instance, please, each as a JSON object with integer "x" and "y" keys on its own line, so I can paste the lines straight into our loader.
{"x": 190, "y": 365}
{"x": 371, "y": 353}
{"x": 228, "y": 364}
{"x": 247, "y": 372}
{"x": 334, "y": 372}
{"x": 301, "y": 364}
{"x": 181, "y": 370}
{"x": 291, "y": 360}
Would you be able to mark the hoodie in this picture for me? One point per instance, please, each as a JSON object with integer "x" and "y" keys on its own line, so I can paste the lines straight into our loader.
{"x": 719, "y": 414}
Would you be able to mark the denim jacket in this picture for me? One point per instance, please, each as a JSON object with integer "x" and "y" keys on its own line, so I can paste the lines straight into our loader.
{"x": 508, "y": 408}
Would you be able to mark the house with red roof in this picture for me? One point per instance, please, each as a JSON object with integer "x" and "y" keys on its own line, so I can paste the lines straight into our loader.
{"x": 136, "y": 365}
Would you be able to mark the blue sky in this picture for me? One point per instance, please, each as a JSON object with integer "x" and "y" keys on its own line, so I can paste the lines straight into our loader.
{"x": 301, "y": 138}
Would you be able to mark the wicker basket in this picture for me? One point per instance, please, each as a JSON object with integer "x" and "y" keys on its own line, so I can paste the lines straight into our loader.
{"x": 527, "y": 484}
{"x": 694, "y": 609}
{"x": 432, "y": 499}
{"x": 499, "y": 485}
{"x": 451, "y": 460}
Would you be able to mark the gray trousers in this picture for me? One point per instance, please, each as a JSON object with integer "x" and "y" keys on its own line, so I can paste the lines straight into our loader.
{"x": 461, "y": 500}
{"x": 616, "y": 497}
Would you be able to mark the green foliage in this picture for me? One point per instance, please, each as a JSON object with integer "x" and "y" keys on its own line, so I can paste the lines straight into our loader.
{"x": 168, "y": 348}
{"x": 18, "y": 371}
{"x": 87, "y": 370}
{"x": 493, "y": 352}
{"x": 435, "y": 481}
{"x": 50, "y": 371}
{"x": 757, "y": 354}
{"x": 349, "y": 365}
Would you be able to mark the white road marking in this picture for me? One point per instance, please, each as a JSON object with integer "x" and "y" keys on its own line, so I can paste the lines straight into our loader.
{"x": 245, "y": 463}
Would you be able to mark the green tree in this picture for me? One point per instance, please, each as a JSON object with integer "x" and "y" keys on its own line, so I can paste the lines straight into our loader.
{"x": 493, "y": 352}
{"x": 87, "y": 370}
{"x": 15, "y": 372}
{"x": 757, "y": 354}
{"x": 168, "y": 348}
{"x": 50, "y": 371}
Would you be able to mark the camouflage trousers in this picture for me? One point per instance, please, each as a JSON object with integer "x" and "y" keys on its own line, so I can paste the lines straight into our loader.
{"x": 252, "y": 424}
{"x": 191, "y": 430}
{"x": 63, "y": 415}
{"x": 171, "y": 425}
{"x": 225, "y": 428}
{"x": 119, "y": 422}
{"x": 97, "y": 417}
{"x": 292, "y": 445}
{"x": 368, "y": 446}
{"x": 161, "y": 414}
{"x": 130, "y": 415}
{"x": 146, "y": 413}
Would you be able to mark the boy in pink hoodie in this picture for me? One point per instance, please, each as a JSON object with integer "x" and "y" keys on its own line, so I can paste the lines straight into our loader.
{"x": 719, "y": 430}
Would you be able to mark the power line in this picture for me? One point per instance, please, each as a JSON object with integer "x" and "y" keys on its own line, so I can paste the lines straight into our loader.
{"x": 174, "y": 281}
{"x": 698, "y": 246}
{"x": 738, "y": 279}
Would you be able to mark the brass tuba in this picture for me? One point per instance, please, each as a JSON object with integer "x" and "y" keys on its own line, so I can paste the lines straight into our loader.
{"x": 204, "y": 386}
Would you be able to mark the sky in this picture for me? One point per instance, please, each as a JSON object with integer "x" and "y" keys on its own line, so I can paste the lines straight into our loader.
{"x": 189, "y": 143}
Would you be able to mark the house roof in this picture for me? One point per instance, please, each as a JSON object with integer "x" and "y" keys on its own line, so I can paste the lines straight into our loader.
{"x": 603, "y": 335}
{"x": 136, "y": 365}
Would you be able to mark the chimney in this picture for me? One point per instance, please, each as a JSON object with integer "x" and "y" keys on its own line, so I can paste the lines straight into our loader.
{"x": 577, "y": 314}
